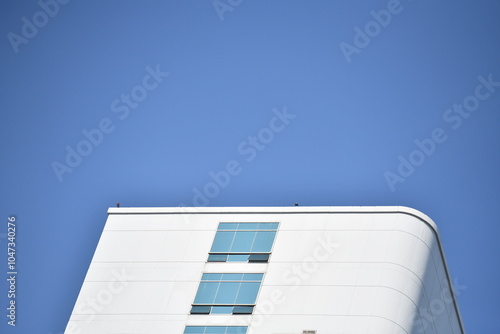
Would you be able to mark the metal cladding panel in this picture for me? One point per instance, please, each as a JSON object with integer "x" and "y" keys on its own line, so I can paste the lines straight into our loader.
{"x": 332, "y": 269}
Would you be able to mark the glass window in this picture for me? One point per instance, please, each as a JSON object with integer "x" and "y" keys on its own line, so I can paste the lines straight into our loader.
{"x": 218, "y": 258}
{"x": 228, "y": 226}
{"x": 247, "y": 226}
{"x": 257, "y": 257}
{"x": 215, "y": 330}
{"x": 242, "y": 239}
{"x": 200, "y": 310}
{"x": 253, "y": 277}
{"x": 211, "y": 277}
{"x": 237, "y": 257}
{"x": 206, "y": 293}
{"x": 232, "y": 277}
{"x": 263, "y": 242}
{"x": 223, "y": 241}
{"x": 248, "y": 293}
{"x": 226, "y": 290}
{"x": 222, "y": 309}
{"x": 268, "y": 226}
{"x": 243, "y": 310}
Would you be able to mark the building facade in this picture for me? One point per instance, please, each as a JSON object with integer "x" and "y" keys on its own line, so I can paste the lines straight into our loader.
{"x": 267, "y": 270}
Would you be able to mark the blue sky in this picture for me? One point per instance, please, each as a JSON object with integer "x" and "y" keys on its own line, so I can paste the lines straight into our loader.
{"x": 315, "y": 102}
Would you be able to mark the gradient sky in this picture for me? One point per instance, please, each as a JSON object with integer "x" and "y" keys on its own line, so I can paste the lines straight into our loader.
{"x": 360, "y": 96}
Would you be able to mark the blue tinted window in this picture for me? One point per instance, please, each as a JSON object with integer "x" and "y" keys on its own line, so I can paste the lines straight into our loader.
{"x": 232, "y": 277}
{"x": 206, "y": 293}
{"x": 253, "y": 277}
{"x": 211, "y": 277}
{"x": 222, "y": 309}
{"x": 268, "y": 226}
{"x": 223, "y": 241}
{"x": 247, "y": 293}
{"x": 248, "y": 226}
{"x": 242, "y": 238}
{"x": 243, "y": 241}
{"x": 263, "y": 242}
{"x": 200, "y": 310}
{"x": 228, "y": 226}
{"x": 243, "y": 310}
{"x": 248, "y": 257}
{"x": 218, "y": 258}
{"x": 228, "y": 289}
{"x": 237, "y": 257}
{"x": 215, "y": 330}
{"x": 227, "y": 293}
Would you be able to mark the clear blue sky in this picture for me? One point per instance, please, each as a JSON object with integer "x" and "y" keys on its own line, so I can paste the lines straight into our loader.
{"x": 353, "y": 95}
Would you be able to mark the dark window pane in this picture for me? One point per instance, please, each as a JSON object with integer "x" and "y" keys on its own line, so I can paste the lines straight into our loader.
{"x": 227, "y": 293}
{"x": 200, "y": 310}
{"x": 222, "y": 242}
{"x": 263, "y": 242}
{"x": 248, "y": 293}
{"x": 258, "y": 258}
{"x": 206, "y": 293}
{"x": 217, "y": 258}
{"x": 237, "y": 258}
{"x": 243, "y": 242}
{"x": 243, "y": 310}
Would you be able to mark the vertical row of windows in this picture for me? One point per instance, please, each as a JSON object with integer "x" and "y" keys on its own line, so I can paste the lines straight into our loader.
{"x": 233, "y": 293}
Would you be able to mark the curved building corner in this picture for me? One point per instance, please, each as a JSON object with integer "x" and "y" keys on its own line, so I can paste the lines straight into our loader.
{"x": 267, "y": 270}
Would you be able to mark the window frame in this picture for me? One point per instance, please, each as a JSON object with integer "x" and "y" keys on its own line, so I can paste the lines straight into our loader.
{"x": 217, "y": 254}
{"x": 213, "y": 284}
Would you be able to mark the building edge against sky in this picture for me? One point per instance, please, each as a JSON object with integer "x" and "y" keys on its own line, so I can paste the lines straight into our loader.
{"x": 259, "y": 270}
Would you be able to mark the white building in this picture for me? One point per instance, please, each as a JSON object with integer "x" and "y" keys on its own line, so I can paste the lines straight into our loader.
{"x": 267, "y": 270}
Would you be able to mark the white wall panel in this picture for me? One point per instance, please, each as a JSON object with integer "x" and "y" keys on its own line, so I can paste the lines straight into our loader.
{"x": 334, "y": 270}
